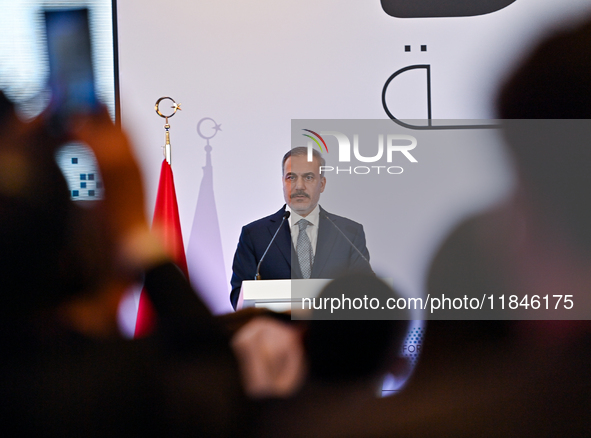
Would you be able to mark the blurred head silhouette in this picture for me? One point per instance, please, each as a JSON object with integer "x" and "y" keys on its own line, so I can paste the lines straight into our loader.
{"x": 357, "y": 345}
{"x": 545, "y": 104}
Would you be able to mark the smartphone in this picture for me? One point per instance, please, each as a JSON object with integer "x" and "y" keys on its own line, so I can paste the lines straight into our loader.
{"x": 71, "y": 77}
{"x": 72, "y": 86}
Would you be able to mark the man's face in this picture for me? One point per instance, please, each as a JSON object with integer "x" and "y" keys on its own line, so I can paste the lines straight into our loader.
{"x": 302, "y": 184}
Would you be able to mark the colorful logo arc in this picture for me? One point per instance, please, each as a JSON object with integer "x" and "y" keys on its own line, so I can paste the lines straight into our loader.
{"x": 316, "y": 141}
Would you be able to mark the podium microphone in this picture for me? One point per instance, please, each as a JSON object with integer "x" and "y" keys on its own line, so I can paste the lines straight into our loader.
{"x": 348, "y": 240}
{"x": 285, "y": 216}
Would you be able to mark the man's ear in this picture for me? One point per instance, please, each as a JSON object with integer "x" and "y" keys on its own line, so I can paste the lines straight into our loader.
{"x": 322, "y": 184}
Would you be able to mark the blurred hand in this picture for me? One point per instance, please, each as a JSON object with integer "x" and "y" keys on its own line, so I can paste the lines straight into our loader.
{"x": 271, "y": 358}
{"x": 124, "y": 202}
{"x": 124, "y": 194}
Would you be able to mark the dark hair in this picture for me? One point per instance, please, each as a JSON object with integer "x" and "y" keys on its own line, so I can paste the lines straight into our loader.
{"x": 553, "y": 82}
{"x": 355, "y": 349}
{"x": 299, "y": 151}
{"x": 5, "y": 108}
{"x": 545, "y": 103}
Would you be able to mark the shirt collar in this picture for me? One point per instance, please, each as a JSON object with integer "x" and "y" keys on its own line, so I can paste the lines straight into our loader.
{"x": 313, "y": 217}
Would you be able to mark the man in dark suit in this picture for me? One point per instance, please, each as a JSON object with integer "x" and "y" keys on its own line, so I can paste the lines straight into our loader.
{"x": 312, "y": 237}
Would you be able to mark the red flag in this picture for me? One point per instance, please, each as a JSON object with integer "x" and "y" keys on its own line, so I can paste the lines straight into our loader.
{"x": 167, "y": 225}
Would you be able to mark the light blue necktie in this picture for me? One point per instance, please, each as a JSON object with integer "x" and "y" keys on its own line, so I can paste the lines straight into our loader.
{"x": 304, "y": 249}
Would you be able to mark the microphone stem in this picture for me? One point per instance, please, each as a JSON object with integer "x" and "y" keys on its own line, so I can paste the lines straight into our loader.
{"x": 258, "y": 275}
{"x": 348, "y": 240}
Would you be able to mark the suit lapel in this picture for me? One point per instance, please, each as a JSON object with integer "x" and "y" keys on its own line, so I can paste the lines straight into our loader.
{"x": 327, "y": 236}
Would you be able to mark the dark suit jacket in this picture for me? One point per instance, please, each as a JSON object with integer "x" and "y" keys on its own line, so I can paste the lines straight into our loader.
{"x": 334, "y": 255}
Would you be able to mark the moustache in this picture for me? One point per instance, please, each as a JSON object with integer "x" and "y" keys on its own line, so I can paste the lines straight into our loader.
{"x": 299, "y": 193}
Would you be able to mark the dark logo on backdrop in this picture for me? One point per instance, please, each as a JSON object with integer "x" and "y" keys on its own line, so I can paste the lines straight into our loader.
{"x": 439, "y": 8}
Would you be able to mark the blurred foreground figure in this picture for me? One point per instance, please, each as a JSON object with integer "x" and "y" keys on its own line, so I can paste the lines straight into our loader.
{"x": 512, "y": 378}
{"x": 64, "y": 369}
{"x": 518, "y": 378}
{"x": 349, "y": 353}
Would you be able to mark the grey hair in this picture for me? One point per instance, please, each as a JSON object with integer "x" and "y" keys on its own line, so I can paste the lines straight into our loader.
{"x": 300, "y": 151}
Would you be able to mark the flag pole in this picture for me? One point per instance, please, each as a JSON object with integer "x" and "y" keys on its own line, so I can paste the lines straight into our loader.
{"x": 165, "y": 224}
{"x": 175, "y": 106}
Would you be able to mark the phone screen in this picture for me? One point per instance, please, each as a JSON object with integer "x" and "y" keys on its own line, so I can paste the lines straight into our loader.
{"x": 71, "y": 77}
{"x": 71, "y": 81}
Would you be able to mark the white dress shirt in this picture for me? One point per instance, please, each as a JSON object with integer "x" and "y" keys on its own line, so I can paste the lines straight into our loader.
{"x": 311, "y": 230}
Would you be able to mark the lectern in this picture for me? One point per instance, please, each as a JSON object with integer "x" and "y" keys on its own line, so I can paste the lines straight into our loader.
{"x": 278, "y": 295}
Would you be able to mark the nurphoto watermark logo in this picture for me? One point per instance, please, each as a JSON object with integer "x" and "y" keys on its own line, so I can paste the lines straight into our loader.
{"x": 388, "y": 146}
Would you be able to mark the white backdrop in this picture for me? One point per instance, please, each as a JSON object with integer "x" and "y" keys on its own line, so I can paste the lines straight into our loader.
{"x": 255, "y": 65}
